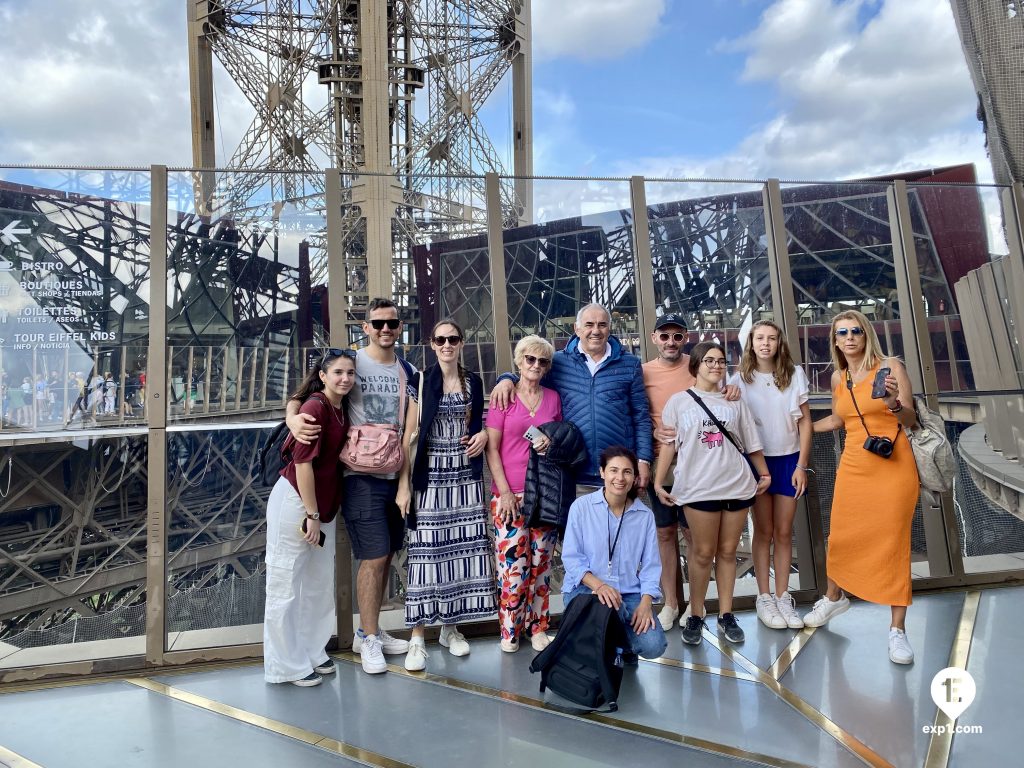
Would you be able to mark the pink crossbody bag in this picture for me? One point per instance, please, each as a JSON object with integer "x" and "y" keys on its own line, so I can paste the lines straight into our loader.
{"x": 377, "y": 448}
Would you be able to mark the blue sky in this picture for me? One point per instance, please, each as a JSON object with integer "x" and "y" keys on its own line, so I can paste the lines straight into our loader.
{"x": 796, "y": 89}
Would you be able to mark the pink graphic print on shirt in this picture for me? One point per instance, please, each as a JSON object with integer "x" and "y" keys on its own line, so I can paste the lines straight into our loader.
{"x": 712, "y": 439}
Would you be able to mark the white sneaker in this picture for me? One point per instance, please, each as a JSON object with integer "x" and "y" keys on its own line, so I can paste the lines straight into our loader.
{"x": 787, "y": 609}
{"x": 826, "y": 609}
{"x": 540, "y": 641}
{"x": 372, "y": 654}
{"x": 509, "y": 645}
{"x": 416, "y": 658}
{"x": 390, "y": 645}
{"x": 900, "y": 651}
{"x": 453, "y": 640}
{"x": 768, "y": 612}
{"x": 667, "y": 617}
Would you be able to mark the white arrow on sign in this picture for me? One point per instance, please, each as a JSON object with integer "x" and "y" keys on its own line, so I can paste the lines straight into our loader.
{"x": 9, "y": 234}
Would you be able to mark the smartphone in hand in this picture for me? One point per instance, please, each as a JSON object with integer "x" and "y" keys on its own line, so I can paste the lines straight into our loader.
{"x": 878, "y": 386}
{"x": 532, "y": 434}
{"x": 323, "y": 536}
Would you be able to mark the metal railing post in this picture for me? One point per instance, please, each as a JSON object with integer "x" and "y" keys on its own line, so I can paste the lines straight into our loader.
{"x": 156, "y": 401}
{"x": 496, "y": 258}
{"x": 644, "y": 269}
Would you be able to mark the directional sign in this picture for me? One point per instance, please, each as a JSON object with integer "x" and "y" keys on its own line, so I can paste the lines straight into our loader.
{"x": 9, "y": 234}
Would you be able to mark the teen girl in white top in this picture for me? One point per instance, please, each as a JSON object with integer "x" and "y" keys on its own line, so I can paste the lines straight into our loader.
{"x": 776, "y": 392}
{"x": 713, "y": 482}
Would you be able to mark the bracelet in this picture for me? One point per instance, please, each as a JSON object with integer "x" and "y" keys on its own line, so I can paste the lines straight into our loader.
{"x": 896, "y": 408}
{"x": 768, "y": 476}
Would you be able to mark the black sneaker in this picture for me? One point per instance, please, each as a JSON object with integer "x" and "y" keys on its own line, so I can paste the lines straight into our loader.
{"x": 728, "y": 626}
{"x": 692, "y": 630}
{"x": 327, "y": 668}
{"x": 309, "y": 680}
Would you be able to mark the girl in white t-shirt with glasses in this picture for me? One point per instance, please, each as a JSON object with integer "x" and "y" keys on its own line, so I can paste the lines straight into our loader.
{"x": 713, "y": 481}
{"x": 776, "y": 391}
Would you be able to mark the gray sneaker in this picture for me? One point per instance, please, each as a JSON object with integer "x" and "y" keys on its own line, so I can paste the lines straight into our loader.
{"x": 692, "y": 634}
{"x": 728, "y": 626}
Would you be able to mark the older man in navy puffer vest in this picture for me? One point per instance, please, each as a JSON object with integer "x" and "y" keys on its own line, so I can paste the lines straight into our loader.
{"x": 602, "y": 391}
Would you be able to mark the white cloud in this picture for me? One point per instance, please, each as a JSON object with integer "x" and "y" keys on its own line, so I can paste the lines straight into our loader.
{"x": 891, "y": 95}
{"x": 87, "y": 84}
{"x": 593, "y": 29}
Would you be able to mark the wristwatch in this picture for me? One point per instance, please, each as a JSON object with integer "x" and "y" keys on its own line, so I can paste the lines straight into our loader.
{"x": 314, "y": 516}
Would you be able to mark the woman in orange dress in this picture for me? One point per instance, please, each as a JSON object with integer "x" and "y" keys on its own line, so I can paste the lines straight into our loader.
{"x": 875, "y": 495}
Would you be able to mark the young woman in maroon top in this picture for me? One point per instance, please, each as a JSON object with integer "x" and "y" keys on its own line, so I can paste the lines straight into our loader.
{"x": 299, "y": 617}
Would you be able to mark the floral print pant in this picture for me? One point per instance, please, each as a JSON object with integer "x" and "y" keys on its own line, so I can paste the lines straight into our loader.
{"x": 524, "y": 573}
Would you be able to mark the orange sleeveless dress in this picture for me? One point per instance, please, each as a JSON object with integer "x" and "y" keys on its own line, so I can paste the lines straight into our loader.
{"x": 873, "y": 504}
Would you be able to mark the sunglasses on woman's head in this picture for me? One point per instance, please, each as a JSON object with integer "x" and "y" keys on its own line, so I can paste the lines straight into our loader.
{"x": 676, "y": 337}
{"x": 334, "y": 352}
{"x": 392, "y": 323}
{"x": 856, "y": 331}
{"x": 543, "y": 362}
{"x": 453, "y": 340}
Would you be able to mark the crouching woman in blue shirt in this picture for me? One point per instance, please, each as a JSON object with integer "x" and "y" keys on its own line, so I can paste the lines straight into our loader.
{"x": 611, "y": 550}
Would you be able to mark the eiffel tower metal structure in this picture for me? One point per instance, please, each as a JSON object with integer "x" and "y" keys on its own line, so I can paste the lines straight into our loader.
{"x": 389, "y": 93}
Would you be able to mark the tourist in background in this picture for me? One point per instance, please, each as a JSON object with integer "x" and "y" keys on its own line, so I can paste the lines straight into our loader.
{"x": 299, "y": 616}
{"x": 713, "y": 481}
{"x": 450, "y": 558}
{"x": 776, "y": 392}
{"x": 523, "y": 553}
{"x": 875, "y": 495}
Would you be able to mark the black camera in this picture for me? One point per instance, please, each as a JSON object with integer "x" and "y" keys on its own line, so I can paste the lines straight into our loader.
{"x": 879, "y": 445}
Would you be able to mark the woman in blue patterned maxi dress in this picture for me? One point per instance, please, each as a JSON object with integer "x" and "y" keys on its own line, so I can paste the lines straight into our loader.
{"x": 450, "y": 556}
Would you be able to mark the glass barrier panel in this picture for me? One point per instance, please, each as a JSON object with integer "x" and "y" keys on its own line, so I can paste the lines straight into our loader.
{"x": 216, "y": 535}
{"x": 957, "y": 228}
{"x": 247, "y": 317}
{"x": 74, "y": 293}
{"x": 709, "y": 256}
{"x": 841, "y": 257}
{"x": 73, "y": 548}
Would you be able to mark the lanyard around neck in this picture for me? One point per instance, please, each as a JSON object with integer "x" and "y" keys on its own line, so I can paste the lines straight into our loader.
{"x": 612, "y": 544}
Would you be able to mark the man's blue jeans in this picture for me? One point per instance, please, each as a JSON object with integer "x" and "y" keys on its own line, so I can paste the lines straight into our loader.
{"x": 651, "y": 644}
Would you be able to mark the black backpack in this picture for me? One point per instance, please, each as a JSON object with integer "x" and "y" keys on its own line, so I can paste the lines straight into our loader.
{"x": 274, "y": 455}
{"x": 584, "y": 662}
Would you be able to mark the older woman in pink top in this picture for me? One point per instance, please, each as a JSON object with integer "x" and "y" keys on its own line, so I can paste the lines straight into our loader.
{"x": 524, "y": 554}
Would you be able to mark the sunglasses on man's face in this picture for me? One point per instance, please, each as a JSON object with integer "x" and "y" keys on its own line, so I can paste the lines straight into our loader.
{"x": 453, "y": 340}
{"x": 391, "y": 323}
{"x": 676, "y": 337}
{"x": 856, "y": 331}
{"x": 543, "y": 362}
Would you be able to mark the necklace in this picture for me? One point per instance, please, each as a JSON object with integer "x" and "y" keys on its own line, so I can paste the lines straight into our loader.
{"x": 531, "y": 408}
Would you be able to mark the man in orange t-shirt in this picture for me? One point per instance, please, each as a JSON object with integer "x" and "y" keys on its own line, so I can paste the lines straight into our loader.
{"x": 664, "y": 376}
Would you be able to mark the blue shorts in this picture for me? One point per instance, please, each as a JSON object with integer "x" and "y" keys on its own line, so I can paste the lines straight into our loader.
{"x": 781, "y": 468}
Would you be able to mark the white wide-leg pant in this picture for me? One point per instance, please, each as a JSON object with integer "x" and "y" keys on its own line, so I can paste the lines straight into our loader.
{"x": 299, "y": 616}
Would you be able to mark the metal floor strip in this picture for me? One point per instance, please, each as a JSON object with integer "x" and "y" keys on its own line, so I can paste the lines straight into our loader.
{"x": 941, "y": 744}
{"x": 850, "y": 742}
{"x": 672, "y": 737}
{"x": 274, "y": 726}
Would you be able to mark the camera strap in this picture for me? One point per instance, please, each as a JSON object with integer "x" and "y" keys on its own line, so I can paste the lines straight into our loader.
{"x": 849, "y": 386}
